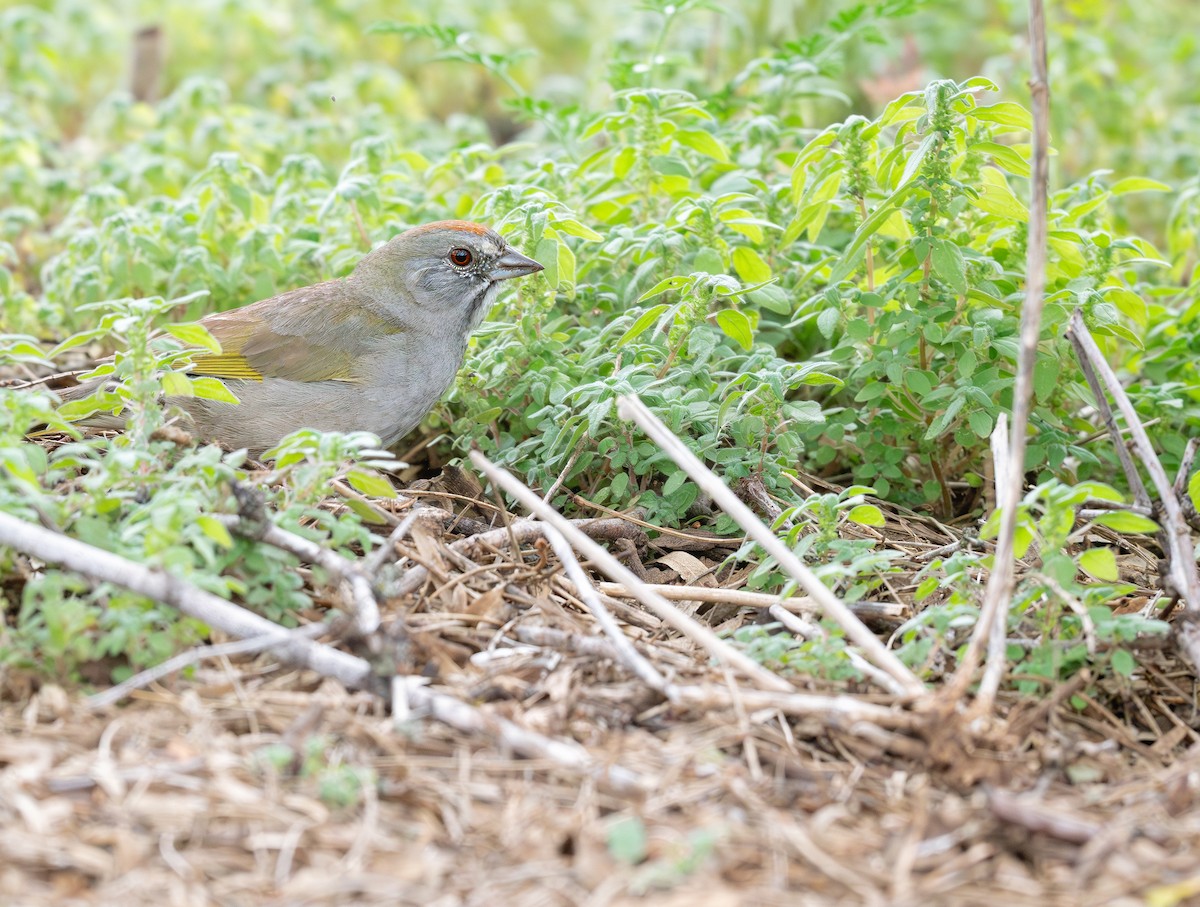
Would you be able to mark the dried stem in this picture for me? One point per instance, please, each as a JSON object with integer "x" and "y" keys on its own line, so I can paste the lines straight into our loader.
{"x": 104, "y": 566}
{"x": 628, "y": 655}
{"x": 695, "y": 631}
{"x": 632, "y": 408}
{"x": 1000, "y": 583}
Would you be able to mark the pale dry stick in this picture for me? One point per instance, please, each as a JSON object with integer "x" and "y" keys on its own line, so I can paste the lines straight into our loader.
{"x": 378, "y": 558}
{"x": 413, "y": 696}
{"x": 996, "y": 644}
{"x": 809, "y": 631}
{"x": 750, "y": 599}
{"x": 562, "y": 476}
{"x": 1000, "y": 583}
{"x": 630, "y": 407}
{"x": 363, "y": 606}
{"x": 629, "y": 655}
{"x": 1033, "y": 814}
{"x": 144, "y": 678}
{"x": 575, "y": 643}
{"x": 1178, "y": 540}
{"x": 1141, "y": 497}
{"x": 104, "y": 566}
{"x": 692, "y": 629}
{"x": 841, "y": 710}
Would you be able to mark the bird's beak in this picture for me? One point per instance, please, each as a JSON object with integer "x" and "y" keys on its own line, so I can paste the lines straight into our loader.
{"x": 514, "y": 264}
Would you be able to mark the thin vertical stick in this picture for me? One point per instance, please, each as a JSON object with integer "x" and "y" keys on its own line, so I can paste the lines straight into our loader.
{"x": 1001, "y": 581}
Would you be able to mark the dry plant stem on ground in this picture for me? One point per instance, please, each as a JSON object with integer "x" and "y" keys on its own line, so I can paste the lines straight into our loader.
{"x": 142, "y": 679}
{"x": 752, "y": 599}
{"x": 632, "y": 408}
{"x": 999, "y": 590}
{"x": 694, "y": 630}
{"x": 359, "y": 597}
{"x": 1181, "y": 577}
{"x": 411, "y": 695}
{"x": 1177, "y": 543}
{"x": 104, "y": 566}
{"x": 628, "y": 655}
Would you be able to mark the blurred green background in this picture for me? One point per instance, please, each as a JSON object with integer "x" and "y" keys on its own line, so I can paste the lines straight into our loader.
{"x": 1125, "y": 76}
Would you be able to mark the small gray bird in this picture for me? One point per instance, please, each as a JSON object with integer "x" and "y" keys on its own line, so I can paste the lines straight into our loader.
{"x": 373, "y": 351}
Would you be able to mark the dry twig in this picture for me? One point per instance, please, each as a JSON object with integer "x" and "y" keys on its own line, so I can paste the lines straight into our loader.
{"x": 1001, "y": 580}
{"x": 104, "y": 566}
{"x": 631, "y": 408}
{"x": 694, "y": 630}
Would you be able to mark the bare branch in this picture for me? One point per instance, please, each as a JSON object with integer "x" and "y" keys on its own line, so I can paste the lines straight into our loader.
{"x": 104, "y": 566}
{"x": 743, "y": 598}
{"x": 411, "y": 694}
{"x": 632, "y": 408}
{"x": 628, "y": 655}
{"x": 999, "y": 590}
{"x": 675, "y": 618}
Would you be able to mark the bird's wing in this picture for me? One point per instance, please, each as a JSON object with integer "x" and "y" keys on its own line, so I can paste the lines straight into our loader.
{"x": 292, "y": 336}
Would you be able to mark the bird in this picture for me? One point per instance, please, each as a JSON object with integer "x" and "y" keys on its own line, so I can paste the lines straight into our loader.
{"x": 372, "y": 351}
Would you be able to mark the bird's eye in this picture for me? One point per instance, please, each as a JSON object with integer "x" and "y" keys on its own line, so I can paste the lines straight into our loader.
{"x": 461, "y": 257}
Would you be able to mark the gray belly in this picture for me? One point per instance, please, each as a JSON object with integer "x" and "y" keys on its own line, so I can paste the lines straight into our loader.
{"x": 272, "y": 408}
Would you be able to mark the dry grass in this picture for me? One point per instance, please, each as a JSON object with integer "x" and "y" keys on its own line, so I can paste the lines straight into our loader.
{"x": 172, "y": 799}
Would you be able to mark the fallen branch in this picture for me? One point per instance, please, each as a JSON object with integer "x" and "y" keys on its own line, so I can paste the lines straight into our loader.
{"x": 410, "y": 694}
{"x": 627, "y": 654}
{"x": 104, "y": 566}
{"x": 692, "y": 629}
{"x": 741, "y": 597}
{"x": 1177, "y": 541}
{"x": 1181, "y": 579}
{"x": 632, "y": 408}
{"x": 143, "y": 679}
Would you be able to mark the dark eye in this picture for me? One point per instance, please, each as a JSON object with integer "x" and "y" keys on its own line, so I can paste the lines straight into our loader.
{"x": 461, "y": 257}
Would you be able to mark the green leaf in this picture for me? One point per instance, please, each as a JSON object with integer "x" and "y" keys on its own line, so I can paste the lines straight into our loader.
{"x": 213, "y": 389}
{"x": 670, "y": 283}
{"x": 215, "y": 530}
{"x": 1124, "y": 521}
{"x": 177, "y": 384}
{"x": 704, "y": 142}
{"x": 195, "y": 334}
{"x": 366, "y": 512}
{"x": 1045, "y": 377}
{"x": 918, "y": 382}
{"x": 1123, "y": 662}
{"x": 868, "y": 228}
{"x": 1004, "y": 113}
{"x": 735, "y": 324}
{"x": 572, "y": 227}
{"x": 1137, "y": 184}
{"x": 627, "y": 842}
{"x": 866, "y": 515}
{"x": 643, "y": 322}
{"x": 995, "y": 197}
{"x": 1194, "y": 489}
{"x": 1005, "y": 156}
{"x": 750, "y": 266}
{"x": 948, "y": 264}
{"x": 981, "y": 423}
{"x": 546, "y": 254}
{"x": 372, "y": 484}
{"x": 1099, "y": 563}
{"x": 674, "y": 483}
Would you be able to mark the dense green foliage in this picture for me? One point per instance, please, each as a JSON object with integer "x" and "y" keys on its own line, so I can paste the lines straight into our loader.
{"x": 793, "y": 275}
